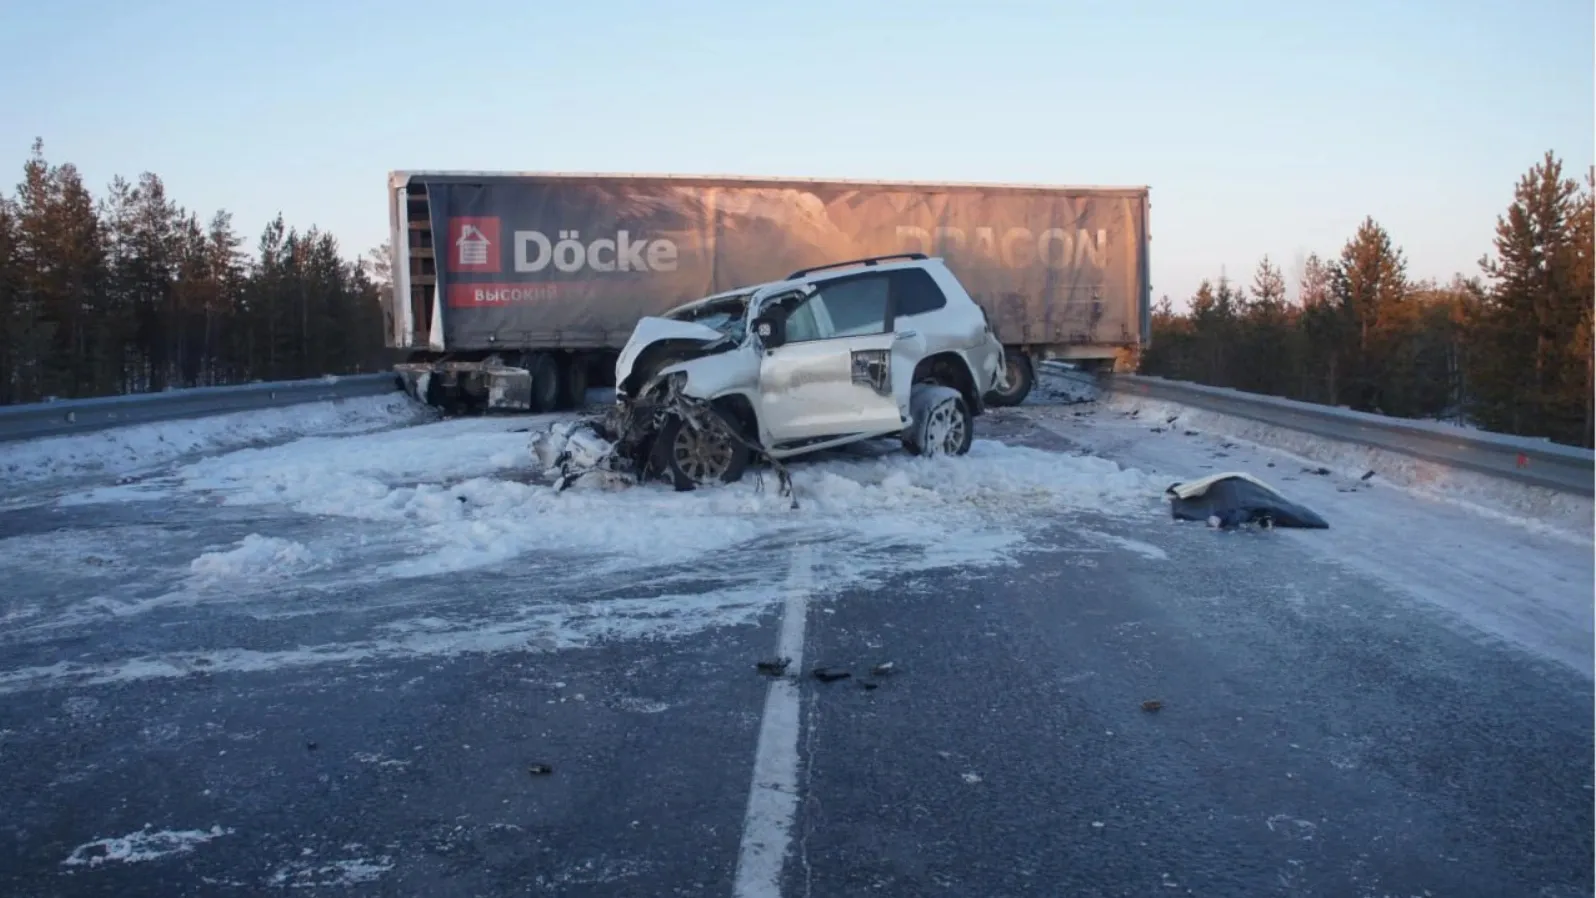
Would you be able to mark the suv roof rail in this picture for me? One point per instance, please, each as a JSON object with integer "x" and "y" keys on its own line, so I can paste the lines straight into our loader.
{"x": 871, "y": 260}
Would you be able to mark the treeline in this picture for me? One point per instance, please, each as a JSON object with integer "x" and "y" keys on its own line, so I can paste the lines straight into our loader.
{"x": 130, "y": 292}
{"x": 1507, "y": 350}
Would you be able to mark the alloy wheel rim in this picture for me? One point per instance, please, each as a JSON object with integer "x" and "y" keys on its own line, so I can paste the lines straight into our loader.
{"x": 699, "y": 456}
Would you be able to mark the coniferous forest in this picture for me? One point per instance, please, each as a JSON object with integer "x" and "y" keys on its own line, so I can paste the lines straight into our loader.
{"x": 1506, "y": 348}
{"x": 130, "y": 292}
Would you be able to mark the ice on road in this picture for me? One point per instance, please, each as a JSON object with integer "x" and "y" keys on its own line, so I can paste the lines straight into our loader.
{"x": 1525, "y": 581}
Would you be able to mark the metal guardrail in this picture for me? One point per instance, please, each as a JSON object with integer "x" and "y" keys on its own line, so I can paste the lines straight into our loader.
{"x": 74, "y": 416}
{"x": 1525, "y": 460}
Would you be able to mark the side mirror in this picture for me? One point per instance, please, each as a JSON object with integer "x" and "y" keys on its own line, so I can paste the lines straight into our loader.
{"x": 771, "y": 330}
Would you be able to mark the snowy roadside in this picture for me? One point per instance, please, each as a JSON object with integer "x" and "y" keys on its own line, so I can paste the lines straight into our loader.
{"x": 126, "y": 452}
{"x": 1510, "y": 564}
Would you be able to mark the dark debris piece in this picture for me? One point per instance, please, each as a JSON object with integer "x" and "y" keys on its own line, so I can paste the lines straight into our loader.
{"x": 829, "y": 674}
{"x": 1366, "y": 475}
{"x": 539, "y": 769}
{"x": 1320, "y": 472}
{"x": 773, "y": 668}
{"x": 866, "y": 684}
{"x": 1152, "y": 704}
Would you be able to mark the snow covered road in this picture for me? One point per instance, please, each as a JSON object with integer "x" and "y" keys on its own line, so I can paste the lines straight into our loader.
{"x": 330, "y": 662}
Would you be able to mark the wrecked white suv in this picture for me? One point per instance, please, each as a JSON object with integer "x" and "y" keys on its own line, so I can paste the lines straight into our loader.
{"x": 888, "y": 346}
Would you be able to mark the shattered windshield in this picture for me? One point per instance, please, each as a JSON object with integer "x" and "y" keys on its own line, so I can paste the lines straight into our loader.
{"x": 724, "y": 315}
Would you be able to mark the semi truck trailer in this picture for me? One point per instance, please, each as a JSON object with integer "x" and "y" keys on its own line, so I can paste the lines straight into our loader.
{"x": 517, "y": 290}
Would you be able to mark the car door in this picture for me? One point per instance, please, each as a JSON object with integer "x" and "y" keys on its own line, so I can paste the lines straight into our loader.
{"x": 833, "y": 374}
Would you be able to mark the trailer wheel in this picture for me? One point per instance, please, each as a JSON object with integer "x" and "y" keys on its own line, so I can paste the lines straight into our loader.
{"x": 573, "y": 386}
{"x": 1020, "y": 376}
{"x": 545, "y": 382}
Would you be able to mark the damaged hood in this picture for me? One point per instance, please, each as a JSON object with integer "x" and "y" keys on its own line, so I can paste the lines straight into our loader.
{"x": 651, "y": 330}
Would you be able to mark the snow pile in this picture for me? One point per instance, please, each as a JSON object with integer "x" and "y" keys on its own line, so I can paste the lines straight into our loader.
{"x": 257, "y": 556}
{"x": 343, "y": 477}
{"x": 124, "y": 451}
{"x": 940, "y": 511}
{"x": 141, "y": 846}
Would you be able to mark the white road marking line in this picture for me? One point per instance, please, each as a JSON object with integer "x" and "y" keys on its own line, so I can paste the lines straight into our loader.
{"x": 773, "y": 796}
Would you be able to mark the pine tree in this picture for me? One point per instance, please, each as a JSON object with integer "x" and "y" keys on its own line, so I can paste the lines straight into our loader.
{"x": 60, "y": 248}
{"x": 1267, "y": 363}
{"x": 1368, "y": 284}
{"x": 1527, "y": 368}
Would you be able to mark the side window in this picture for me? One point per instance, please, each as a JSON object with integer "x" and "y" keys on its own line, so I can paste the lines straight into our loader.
{"x": 842, "y": 308}
{"x": 856, "y": 306}
{"x": 802, "y": 324}
{"x": 915, "y": 292}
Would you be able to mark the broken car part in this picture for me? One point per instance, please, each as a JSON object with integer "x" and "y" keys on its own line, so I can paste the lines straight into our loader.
{"x": 1237, "y": 499}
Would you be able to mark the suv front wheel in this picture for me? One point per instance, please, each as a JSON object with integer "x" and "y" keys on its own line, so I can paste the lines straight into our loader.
{"x": 691, "y": 457}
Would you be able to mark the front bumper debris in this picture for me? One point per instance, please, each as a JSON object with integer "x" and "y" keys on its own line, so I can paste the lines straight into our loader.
{"x": 620, "y": 448}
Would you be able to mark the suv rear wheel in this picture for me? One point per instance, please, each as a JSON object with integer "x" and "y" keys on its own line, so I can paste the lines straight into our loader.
{"x": 945, "y": 428}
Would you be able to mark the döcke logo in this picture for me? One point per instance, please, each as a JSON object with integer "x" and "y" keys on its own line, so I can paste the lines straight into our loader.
{"x": 535, "y": 252}
{"x": 473, "y": 244}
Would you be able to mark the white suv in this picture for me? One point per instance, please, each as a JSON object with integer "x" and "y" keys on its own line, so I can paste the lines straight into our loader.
{"x": 887, "y": 346}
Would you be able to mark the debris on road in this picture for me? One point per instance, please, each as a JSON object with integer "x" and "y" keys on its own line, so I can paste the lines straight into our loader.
{"x": 539, "y": 769}
{"x": 867, "y": 685}
{"x": 773, "y": 668}
{"x": 1317, "y": 472}
{"x": 1152, "y": 704}
{"x": 1367, "y": 475}
{"x": 882, "y": 670}
{"x": 1236, "y": 499}
{"x": 827, "y": 674}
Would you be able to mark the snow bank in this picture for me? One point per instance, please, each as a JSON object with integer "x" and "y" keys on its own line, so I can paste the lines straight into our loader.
{"x": 124, "y": 451}
{"x": 256, "y": 556}
{"x": 919, "y": 511}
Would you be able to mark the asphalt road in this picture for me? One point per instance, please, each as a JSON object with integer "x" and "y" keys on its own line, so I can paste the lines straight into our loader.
{"x": 1317, "y": 734}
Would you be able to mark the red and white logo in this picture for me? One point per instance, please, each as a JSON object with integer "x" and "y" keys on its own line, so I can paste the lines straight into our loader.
{"x": 474, "y": 245}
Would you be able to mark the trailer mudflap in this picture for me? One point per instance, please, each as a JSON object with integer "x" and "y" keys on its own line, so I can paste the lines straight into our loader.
{"x": 472, "y": 385}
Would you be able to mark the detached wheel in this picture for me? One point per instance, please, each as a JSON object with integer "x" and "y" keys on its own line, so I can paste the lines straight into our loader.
{"x": 545, "y": 382}
{"x": 692, "y": 458}
{"x": 947, "y": 429}
{"x": 1020, "y": 376}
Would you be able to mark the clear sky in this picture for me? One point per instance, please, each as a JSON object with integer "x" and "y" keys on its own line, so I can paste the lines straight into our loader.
{"x": 1260, "y": 127}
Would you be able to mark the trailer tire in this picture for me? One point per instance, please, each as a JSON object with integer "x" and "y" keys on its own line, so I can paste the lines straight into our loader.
{"x": 1021, "y": 377}
{"x": 573, "y": 386}
{"x": 545, "y": 382}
